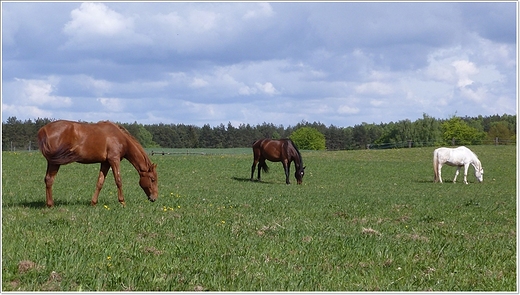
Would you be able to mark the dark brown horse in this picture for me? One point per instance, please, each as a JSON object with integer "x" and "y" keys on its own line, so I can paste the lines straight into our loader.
{"x": 283, "y": 150}
{"x": 63, "y": 142}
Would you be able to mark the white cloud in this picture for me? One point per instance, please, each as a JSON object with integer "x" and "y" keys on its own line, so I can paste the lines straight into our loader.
{"x": 375, "y": 87}
{"x": 267, "y": 88}
{"x": 112, "y": 104}
{"x": 264, "y": 10}
{"x": 198, "y": 83}
{"x": 202, "y": 21}
{"x": 97, "y": 86}
{"x": 40, "y": 92}
{"x": 22, "y": 111}
{"x": 464, "y": 70}
{"x": 246, "y": 90}
{"x": 96, "y": 26}
{"x": 347, "y": 110}
{"x": 96, "y": 19}
{"x": 376, "y": 102}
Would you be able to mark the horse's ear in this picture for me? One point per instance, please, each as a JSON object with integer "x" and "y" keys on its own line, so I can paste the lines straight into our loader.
{"x": 304, "y": 167}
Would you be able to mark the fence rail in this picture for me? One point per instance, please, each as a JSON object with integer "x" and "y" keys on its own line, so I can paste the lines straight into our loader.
{"x": 31, "y": 146}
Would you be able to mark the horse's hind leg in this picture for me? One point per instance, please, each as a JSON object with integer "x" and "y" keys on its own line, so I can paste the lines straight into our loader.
{"x": 261, "y": 166}
{"x": 50, "y": 175}
{"x": 456, "y": 174}
{"x": 101, "y": 179}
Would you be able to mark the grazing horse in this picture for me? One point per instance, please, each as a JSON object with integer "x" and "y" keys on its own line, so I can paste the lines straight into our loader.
{"x": 63, "y": 142}
{"x": 461, "y": 156}
{"x": 283, "y": 150}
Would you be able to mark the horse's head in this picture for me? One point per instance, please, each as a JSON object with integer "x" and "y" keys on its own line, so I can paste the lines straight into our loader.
{"x": 148, "y": 182}
{"x": 479, "y": 174}
{"x": 300, "y": 172}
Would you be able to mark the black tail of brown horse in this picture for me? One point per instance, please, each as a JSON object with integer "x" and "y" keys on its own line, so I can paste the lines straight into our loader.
{"x": 263, "y": 165}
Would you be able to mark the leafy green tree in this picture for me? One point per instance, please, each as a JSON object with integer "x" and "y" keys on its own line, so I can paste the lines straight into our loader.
{"x": 145, "y": 137}
{"x": 428, "y": 131}
{"x": 308, "y": 138}
{"x": 500, "y": 130}
{"x": 458, "y": 130}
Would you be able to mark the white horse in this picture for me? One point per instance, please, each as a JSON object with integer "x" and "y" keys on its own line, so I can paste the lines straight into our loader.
{"x": 461, "y": 156}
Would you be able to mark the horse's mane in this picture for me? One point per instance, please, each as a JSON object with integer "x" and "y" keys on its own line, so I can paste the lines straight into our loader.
{"x": 297, "y": 151}
{"x": 477, "y": 160}
{"x": 135, "y": 142}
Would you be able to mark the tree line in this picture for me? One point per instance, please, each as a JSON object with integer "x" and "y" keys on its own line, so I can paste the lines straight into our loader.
{"x": 426, "y": 131}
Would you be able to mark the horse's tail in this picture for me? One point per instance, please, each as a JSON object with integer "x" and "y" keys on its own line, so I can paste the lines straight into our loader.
{"x": 42, "y": 139}
{"x": 435, "y": 166}
{"x": 263, "y": 166}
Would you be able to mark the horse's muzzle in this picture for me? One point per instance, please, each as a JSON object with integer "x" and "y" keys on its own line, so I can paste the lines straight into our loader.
{"x": 152, "y": 199}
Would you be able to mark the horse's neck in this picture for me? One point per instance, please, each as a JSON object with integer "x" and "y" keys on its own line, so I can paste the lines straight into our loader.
{"x": 137, "y": 156}
{"x": 296, "y": 157}
{"x": 476, "y": 163}
{"x": 297, "y": 161}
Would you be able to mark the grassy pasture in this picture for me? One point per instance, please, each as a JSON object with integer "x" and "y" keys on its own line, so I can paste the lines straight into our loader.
{"x": 362, "y": 221}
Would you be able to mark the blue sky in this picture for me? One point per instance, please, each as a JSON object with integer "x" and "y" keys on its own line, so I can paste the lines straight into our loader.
{"x": 338, "y": 63}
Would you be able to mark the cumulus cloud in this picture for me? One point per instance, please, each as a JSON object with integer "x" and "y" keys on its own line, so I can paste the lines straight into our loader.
{"x": 347, "y": 110}
{"x": 379, "y": 88}
{"x": 111, "y": 104}
{"x": 464, "y": 70}
{"x": 267, "y": 88}
{"x": 264, "y": 10}
{"x": 31, "y": 98}
{"x": 40, "y": 92}
{"x": 95, "y": 25}
{"x": 96, "y": 19}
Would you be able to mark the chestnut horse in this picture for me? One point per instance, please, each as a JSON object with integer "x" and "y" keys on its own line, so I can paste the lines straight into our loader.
{"x": 63, "y": 142}
{"x": 283, "y": 150}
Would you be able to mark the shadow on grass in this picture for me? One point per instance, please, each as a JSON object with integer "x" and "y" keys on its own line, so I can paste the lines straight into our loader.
{"x": 424, "y": 181}
{"x": 243, "y": 179}
{"x": 41, "y": 204}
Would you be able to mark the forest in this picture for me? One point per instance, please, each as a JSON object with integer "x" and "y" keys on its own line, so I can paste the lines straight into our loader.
{"x": 427, "y": 131}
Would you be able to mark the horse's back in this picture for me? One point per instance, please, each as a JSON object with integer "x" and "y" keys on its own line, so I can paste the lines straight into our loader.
{"x": 454, "y": 156}
{"x": 270, "y": 149}
{"x": 63, "y": 141}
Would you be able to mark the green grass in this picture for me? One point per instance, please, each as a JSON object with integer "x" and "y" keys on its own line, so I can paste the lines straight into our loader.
{"x": 362, "y": 221}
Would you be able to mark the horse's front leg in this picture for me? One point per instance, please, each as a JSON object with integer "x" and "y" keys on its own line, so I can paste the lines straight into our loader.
{"x": 466, "y": 173}
{"x": 103, "y": 170}
{"x": 456, "y": 174}
{"x": 50, "y": 175}
{"x": 286, "y": 168}
{"x": 119, "y": 182}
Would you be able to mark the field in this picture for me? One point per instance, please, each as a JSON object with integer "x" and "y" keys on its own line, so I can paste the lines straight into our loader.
{"x": 369, "y": 220}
